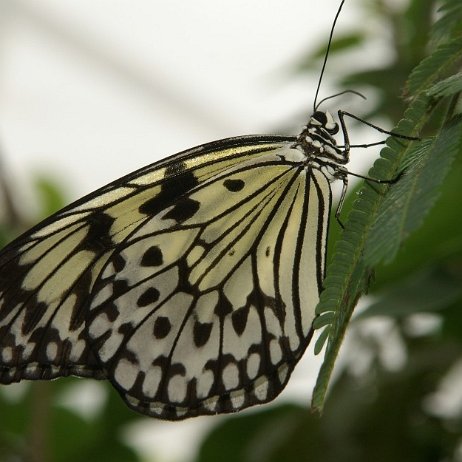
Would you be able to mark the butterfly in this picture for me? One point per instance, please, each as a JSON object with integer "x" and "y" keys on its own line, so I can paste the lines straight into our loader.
{"x": 190, "y": 284}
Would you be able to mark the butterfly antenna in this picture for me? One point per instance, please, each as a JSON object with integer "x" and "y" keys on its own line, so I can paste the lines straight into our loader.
{"x": 327, "y": 54}
{"x": 354, "y": 92}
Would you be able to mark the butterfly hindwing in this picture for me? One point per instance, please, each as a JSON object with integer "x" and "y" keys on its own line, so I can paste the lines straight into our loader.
{"x": 207, "y": 306}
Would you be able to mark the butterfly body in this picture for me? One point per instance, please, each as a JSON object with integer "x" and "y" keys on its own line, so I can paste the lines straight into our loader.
{"x": 190, "y": 284}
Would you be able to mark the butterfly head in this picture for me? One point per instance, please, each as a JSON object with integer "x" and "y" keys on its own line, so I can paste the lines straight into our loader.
{"x": 325, "y": 122}
{"x": 317, "y": 139}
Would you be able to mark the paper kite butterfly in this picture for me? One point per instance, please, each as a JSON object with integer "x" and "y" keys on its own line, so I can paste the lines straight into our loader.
{"x": 190, "y": 284}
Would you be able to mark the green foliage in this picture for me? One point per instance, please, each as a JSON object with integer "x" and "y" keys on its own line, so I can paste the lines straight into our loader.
{"x": 447, "y": 25}
{"x": 50, "y": 196}
{"x": 251, "y": 436}
{"x": 383, "y": 217}
{"x": 447, "y": 87}
{"x": 438, "y": 63}
{"x": 37, "y": 419}
{"x": 406, "y": 205}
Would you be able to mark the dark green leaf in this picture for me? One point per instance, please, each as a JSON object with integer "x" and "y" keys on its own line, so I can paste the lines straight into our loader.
{"x": 439, "y": 62}
{"x": 447, "y": 87}
{"x": 437, "y": 243}
{"x": 347, "y": 274}
{"x": 378, "y": 225}
{"x": 410, "y": 200}
{"x": 250, "y": 437}
{"x": 450, "y": 23}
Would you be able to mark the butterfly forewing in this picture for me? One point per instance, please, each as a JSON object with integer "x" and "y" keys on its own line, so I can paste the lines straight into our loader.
{"x": 190, "y": 284}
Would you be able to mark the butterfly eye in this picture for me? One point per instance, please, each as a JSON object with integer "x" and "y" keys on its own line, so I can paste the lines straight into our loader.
{"x": 320, "y": 117}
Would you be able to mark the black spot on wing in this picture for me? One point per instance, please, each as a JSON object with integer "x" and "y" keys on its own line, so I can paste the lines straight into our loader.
{"x": 239, "y": 320}
{"x": 173, "y": 187}
{"x": 183, "y": 209}
{"x": 119, "y": 287}
{"x": 119, "y": 263}
{"x": 202, "y": 333}
{"x": 162, "y": 327}
{"x": 223, "y": 307}
{"x": 125, "y": 329}
{"x": 98, "y": 236}
{"x": 152, "y": 257}
{"x": 233, "y": 185}
{"x": 148, "y": 297}
{"x": 111, "y": 312}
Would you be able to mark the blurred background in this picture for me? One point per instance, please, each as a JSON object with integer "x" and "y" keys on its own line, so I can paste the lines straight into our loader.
{"x": 92, "y": 90}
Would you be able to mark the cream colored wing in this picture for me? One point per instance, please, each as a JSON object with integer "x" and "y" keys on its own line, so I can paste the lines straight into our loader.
{"x": 190, "y": 284}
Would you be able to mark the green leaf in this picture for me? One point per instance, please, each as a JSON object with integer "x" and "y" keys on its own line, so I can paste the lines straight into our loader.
{"x": 410, "y": 200}
{"x": 349, "y": 273}
{"x": 450, "y": 23}
{"x": 439, "y": 62}
{"x": 437, "y": 243}
{"x": 349, "y": 248}
{"x": 447, "y": 87}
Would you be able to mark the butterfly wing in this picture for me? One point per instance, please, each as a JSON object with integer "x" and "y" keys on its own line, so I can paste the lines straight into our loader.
{"x": 190, "y": 284}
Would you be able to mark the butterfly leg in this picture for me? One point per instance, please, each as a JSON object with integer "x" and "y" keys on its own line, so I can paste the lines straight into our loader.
{"x": 343, "y": 114}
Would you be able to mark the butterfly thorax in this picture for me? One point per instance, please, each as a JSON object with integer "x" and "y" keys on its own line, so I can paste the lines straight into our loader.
{"x": 318, "y": 143}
